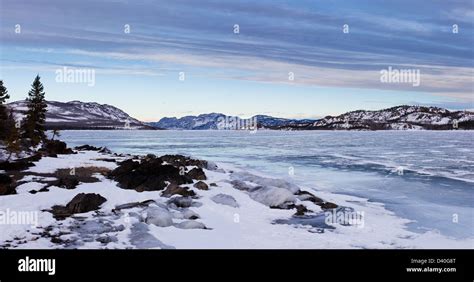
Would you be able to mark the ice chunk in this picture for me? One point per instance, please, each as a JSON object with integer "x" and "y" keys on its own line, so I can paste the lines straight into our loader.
{"x": 273, "y": 197}
{"x": 224, "y": 199}
{"x": 159, "y": 217}
{"x": 189, "y": 224}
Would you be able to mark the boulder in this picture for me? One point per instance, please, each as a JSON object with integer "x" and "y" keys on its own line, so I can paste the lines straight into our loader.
{"x": 180, "y": 202}
{"x": 189, "y": 224}
{"x": 159, "y": 217}
{"x": 85, "y": 202}
{"x": 307, "y": 196}
{"x": 201, "y": 185}
{"x": 224, "y": 199}
{"x": 149, "y": 175}
{"x": 55, "y": 147}
{"x": 189, "y": 214}
{"x": 174, "y": 189}
{"x": 240, "y": 185}
{"x": 274, "y": 197}
{"x": 197, "y": 173}
{"x": 60, "y": 212}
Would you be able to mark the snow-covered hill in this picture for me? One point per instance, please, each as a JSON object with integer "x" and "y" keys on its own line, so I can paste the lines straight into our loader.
{"x": 218, "y": 120}
{"x": 82, "y": 115}
{"x": 398, "y": 118}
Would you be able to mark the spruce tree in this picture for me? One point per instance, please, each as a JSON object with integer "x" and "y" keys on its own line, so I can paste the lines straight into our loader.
{"x": 12, "y": 141}
{"x": 33, "y": 124}
{"x": 3, "y": 111}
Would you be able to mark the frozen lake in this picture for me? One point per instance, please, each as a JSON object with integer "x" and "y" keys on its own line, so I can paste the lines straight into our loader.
{"x": 424, "y": 176}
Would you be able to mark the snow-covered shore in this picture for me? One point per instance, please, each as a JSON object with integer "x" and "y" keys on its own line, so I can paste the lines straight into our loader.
{"x": 233, "y": 209}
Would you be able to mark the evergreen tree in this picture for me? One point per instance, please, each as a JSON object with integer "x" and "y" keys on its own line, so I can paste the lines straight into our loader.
{"x": 12, "y": 140}
{"x": 56, "y": 133}
{"x": 3, "y": 111}
{"x": 33, "y": 124}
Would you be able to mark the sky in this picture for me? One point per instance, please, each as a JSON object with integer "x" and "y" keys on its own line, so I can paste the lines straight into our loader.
{"x": 294, "y": 58}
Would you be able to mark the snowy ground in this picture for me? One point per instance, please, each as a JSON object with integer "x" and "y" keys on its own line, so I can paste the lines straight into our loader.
{"x": 232, "y": 218}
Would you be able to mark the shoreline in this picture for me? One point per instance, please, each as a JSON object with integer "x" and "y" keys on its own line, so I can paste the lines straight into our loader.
{"x": 227, "y": 209}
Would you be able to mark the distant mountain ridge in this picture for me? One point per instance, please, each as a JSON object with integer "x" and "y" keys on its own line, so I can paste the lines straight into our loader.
{"x": 90, "y": 115}
{"x": 82, "y": 115}
{"x": 216, "y": 121}
{"x": 396, "y": 118}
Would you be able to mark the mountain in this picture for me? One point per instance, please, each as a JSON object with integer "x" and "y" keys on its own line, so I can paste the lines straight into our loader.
{"x": 219, "y": 121}
{"x": 395, "y": 118}
{"x": 82, "y": 115}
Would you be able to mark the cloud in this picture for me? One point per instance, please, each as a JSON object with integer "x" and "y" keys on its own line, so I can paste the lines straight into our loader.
{"x": 304, "y": 37}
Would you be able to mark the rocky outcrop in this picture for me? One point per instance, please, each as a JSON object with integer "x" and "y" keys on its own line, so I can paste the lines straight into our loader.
{"x": 197, "y": 173}
{"x": 174, "y": 189}
{"x": 52, "y": 148}
{"x": 81, "y": 203}
{"x": 201, "y": 185}
{"x": 148, "y": 175}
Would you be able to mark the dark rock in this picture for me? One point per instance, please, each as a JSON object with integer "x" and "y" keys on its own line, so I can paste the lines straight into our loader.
{"x": 85, "y": 202}
{"x": 197, "y": 173}
{"x": 68, "y": 182}
{"x": 87, "y": 148}
{"x": 125, "y": 167}
{"x": 110, "y": 160}
{"x": 150, "y": 157}
{"x": 149, "y": 175}
{"x": 6, "y": 185}
{"x": 60, "y": 212}
{"x": 201, "y": 185}
{"x": 213, "y": 184}
{"x": 134, "y": 205}
{"x": 105, "y": 150}
{"x": 301, "y": 210}
{"x": 19, "y": 164}
{"x": 174, "y": 189}
{"x": 328, "y": 205}
{"x": 44, "y": 189}
{"x": 55, "y": 147}
{"x": 307, "y": 196}
{"x": 183, "y": 161}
